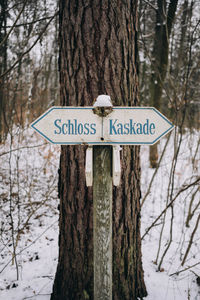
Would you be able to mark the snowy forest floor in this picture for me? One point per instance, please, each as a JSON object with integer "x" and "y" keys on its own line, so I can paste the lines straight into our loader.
{"x": 29, "y": 218}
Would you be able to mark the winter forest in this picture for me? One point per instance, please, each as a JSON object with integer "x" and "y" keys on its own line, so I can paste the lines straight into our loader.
{"x": 65, "y": 53}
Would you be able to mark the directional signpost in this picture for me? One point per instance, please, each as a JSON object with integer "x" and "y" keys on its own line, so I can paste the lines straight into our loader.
{"x": 123, "y": 126}
{"x": 102, "y": 126}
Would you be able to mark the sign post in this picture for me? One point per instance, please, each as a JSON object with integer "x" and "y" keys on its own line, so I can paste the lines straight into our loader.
{"x": 102, "y": 222}
{"x": 102, "y": 126}
{"x": 102, "y": 208}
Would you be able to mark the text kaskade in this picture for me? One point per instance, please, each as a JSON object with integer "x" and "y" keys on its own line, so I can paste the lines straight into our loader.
{"x": 118, "y": 128}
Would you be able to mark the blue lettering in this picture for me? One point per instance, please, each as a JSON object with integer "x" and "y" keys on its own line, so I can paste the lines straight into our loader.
{"x": 75, "y": 127}
{"x": 56, "y": 124}
{"x": 120, "y": 128}
{"x": 86, "y": 127}
{"x": 80, "y": 128}
{"x": 112, "y": 127}
{"x": 93, "y": 128}
{"x": 146, "y": 127}
{"x": 63, "y": 128}
{"x": 152, "y": 128}
{"x": 70, "y": 127}
{"x": 139, "y": 128}
{"x": 126, "y": 128}
{"x": 132, "y": 127}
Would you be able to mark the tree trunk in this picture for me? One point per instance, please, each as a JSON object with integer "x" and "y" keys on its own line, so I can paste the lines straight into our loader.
{"x": 98, "y": 55}
{"x": 3, "y": 61}
{"x": 164, "y": 21}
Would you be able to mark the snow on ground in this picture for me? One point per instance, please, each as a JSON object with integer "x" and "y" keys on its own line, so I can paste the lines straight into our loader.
{"x": 34, "y": 209}
{"x": 28, "y": 191}
{"x": 161, "y": 285}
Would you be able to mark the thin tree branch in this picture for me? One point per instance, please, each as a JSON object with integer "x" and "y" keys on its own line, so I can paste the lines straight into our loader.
{"x": 155, "y": 172}
{"x": 178, "y": 272}
{"x": 20, "y": 148}
{"x": 31, "y": 23}
{"x": 29, "y": 49}
{"x": 29, "y": 297}
{"x": 170, "y": 203}
{"x": 191, "y": 240}
{"x": 190, "y": 211}
{"x": 13, "y": 26}
{"x": 152, "y": 6}
{"x": 29, "y": 244}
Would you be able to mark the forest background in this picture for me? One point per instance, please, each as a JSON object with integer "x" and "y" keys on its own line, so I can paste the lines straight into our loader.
{"x": 169, "y": 76}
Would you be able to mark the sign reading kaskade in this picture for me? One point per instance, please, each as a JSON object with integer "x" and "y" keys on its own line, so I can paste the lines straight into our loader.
{"x": 123, "y": 125}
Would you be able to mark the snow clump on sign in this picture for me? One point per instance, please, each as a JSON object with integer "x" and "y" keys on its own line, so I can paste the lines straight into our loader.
{"x": 103, "y": 100}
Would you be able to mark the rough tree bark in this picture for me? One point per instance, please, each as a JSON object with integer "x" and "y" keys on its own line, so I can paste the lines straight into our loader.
{"x": 98, "y": 55}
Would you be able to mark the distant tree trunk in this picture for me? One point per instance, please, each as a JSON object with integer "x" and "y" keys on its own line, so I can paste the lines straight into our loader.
{"x": 164, "y": 21}
{"x": 98, "y": 55}
{"x": 3, "y": 60}
{"x": 184, "y": 21}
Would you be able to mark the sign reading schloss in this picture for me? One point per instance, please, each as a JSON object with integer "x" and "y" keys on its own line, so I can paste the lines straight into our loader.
{"x": 123, "y": 125}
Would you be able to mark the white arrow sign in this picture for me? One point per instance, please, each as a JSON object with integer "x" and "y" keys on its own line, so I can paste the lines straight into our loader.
{"x": 123, "y": 125}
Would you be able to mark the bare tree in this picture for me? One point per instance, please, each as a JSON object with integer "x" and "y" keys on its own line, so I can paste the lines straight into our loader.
{"x": 3, "y": 59}
{"x": 163, "y": 28}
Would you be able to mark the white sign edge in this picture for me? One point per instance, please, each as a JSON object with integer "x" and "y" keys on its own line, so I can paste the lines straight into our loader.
{"x": 103, "y": 143}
